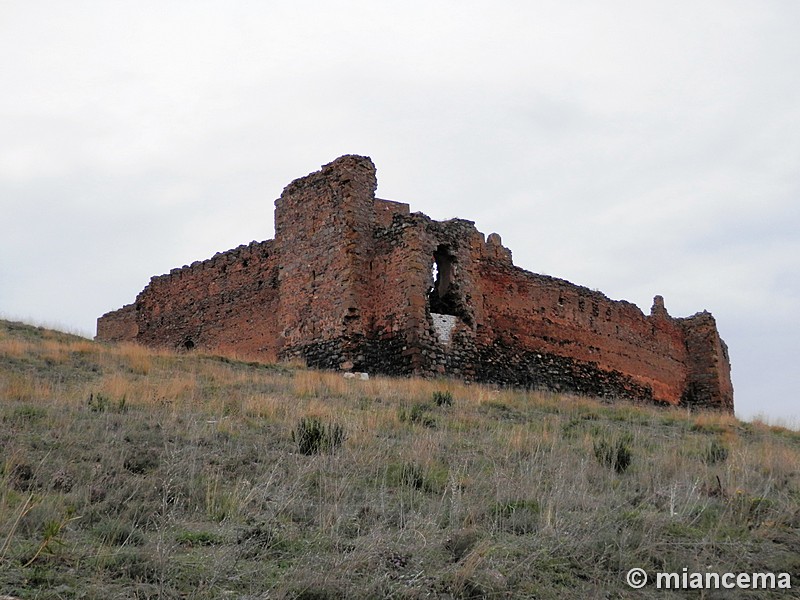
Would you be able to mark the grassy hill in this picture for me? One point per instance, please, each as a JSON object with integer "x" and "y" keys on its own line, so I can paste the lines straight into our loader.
{"x": 132, "y": 473}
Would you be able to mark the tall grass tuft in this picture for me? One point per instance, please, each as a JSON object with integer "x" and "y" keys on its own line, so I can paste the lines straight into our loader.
{"x": 313, "y": 436}
{"x": 614, "y": 453}
{"x": 443, "y": 398}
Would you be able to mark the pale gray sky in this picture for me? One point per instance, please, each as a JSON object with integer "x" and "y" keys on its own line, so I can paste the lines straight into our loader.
{"x": 639, "y": 148}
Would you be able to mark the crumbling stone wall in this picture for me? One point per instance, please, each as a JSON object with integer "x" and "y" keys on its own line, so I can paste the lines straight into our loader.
{"x": 708, "y": 383}
{"x": 227, "y": 302}
{"x": 119, "y": 325}
{"x": 348, "y": 283}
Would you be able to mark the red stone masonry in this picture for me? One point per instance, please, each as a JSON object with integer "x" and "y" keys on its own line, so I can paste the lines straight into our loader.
{"x": 348, "y": 283}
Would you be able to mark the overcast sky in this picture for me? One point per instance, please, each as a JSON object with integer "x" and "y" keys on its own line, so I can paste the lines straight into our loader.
{"x": 634, "y": 147}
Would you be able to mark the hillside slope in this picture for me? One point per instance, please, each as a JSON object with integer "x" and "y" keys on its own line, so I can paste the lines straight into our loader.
{"x": 132, "y": 473}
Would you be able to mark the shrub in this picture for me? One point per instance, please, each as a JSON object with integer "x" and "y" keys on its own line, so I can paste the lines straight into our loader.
{"x": 118, "y": 533}
{"x": 715, "y": 452}
{"x": 517, "y": 516}
{"x": 461, "y": 543}
{"x": 418, "y": 415}
{"x": 615, "y": 454}
{"x": 198, "y": 538}
{"x": 572, "y": 428}
{"x": 443, "y": 398}
{"x": 97, "y": 403}
{"x": 431, "y": 478}
{"x": 28, "y": 413}
{"x": 141, "y": 461}
{"x": 412, "y": 476}
{"x": 21, "y": 477}
{"x": 312, "y": 436}
{"x": 100, "y": 403}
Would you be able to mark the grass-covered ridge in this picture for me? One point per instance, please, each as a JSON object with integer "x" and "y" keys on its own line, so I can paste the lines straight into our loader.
{"x": 127, "y": 472}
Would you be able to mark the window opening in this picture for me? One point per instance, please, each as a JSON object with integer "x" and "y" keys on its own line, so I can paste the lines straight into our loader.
{"x": 442, "y": 297}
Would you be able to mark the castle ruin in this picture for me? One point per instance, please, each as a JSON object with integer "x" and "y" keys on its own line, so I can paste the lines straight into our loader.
{"x": 357, "y": 283}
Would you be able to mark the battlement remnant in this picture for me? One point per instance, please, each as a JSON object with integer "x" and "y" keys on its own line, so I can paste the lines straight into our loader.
{"x": 358, "y": 283}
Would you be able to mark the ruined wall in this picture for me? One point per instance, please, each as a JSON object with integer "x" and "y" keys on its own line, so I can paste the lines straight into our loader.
{"x": 227, "y": 302}
{"x": 355, "y": 282}
{"x": 385, "y": 210}
{"x": 709, "y": 376}
{"x": 401, "y": 335}
{"x": 118, "y": 325}
{"x": 515, "y": 327}
{"x": 568, "y": 332}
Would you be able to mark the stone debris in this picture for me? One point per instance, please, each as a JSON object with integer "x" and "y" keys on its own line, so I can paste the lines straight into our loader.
{"x": 359, "y": 376}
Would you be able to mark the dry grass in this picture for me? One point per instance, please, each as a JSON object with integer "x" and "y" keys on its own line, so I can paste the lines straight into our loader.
{"x": 133, "y": 473}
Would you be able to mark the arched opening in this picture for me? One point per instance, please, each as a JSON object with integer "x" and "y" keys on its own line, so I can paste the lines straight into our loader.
{"x": 188, "y": 344}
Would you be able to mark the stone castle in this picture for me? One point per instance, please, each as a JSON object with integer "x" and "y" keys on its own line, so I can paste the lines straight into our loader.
{"x": 357, "y": 283}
